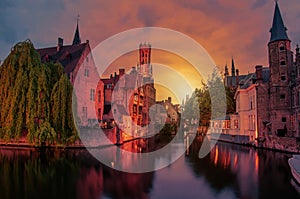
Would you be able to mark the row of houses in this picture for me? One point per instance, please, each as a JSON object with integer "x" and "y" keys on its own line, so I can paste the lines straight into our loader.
{"x": 267, "y": 100}
{"x": 124, "y": 97}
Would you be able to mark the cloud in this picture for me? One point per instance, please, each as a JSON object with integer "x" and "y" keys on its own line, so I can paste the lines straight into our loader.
{"x": 224, "y": 28}
{"x": 259, "y": 4}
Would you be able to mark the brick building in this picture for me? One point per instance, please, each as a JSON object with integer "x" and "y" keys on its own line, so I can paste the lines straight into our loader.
{"x": 268, "y": 100}
{"x": 129, "y": 96}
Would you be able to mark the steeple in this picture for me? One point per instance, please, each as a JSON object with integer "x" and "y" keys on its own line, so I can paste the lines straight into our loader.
{"x": 278, "y": 30}
{"x": 232, "y": 68}
{"x": 226, "y": 71}
{"x": 77, "y": 39}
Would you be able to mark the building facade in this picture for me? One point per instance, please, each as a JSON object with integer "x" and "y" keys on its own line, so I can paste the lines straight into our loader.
{"x": 268, "y": 100}
{"x": 78, "y": 63}
{"x": 129, "y": 96}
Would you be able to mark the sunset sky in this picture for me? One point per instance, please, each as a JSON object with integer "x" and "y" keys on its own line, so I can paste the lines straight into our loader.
{"x": 225, "y": 28}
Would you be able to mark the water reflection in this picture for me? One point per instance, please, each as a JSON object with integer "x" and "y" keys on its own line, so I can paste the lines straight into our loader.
{"x": 229, "y": 171}
{"x": 249, "y": 173}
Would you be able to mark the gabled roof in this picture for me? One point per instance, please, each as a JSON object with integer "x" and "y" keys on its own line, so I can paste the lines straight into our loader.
{"x": 278, "y": 30}
{"x": 68, "y": 56}
{"x": 231, "y": 80}
{"x": 251, "y": 78}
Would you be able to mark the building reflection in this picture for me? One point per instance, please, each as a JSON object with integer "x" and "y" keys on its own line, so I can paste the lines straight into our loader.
{"x": 254, "y": 173}
{"x": 66, "y": 174}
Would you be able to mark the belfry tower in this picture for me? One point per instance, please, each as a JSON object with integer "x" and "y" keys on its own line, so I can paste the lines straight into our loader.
{"x": 145, "y": 60}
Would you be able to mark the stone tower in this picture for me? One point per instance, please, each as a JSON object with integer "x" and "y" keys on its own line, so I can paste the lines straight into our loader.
{"x": 281, "y": 66}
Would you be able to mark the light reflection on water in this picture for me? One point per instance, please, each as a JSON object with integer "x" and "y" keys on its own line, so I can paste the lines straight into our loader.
{"x": 229, "y": 171}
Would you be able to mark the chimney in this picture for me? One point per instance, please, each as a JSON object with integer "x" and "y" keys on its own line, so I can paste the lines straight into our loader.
{"x": 60, "y": 43}
{"x": 121, "y": 72}
{"x": 237, "y": 72}
{"x": 258, "y": 72}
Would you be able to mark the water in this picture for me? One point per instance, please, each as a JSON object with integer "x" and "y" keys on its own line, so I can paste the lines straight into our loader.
{"x": 229, "y": 171}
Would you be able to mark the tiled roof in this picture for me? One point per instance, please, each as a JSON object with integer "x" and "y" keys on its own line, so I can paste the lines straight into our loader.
{"x": 69, "y": 56}
{"x": 251, "y": 78}
{"x": 231, "y": 80}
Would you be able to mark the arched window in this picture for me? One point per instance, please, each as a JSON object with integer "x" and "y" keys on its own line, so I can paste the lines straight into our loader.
{"x": 281, "y": 47}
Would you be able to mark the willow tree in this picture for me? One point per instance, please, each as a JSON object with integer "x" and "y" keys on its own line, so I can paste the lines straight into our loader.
{"x": 26, "y": 86}
{"x": 61, "y": 113}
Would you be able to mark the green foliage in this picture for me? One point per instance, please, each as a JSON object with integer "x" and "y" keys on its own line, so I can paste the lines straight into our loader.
{"x": 26, "y": 90}
{"x": 210, "y": 101}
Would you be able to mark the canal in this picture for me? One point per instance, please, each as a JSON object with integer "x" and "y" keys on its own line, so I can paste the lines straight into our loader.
{"x": 228, "y": 172}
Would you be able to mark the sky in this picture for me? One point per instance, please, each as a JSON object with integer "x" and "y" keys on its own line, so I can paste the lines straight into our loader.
{"x": 225, "y": 28}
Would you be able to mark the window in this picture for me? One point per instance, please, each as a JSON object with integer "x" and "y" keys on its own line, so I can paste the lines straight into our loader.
{"x": 236, "y": 124}
{"x": 282, "y": 96}
{"x": 84, "y": 112}
{"x": 281, "y": 48}
{"x": 92, "y": 95}
{"x": 86, "y": 72}
{"x": 134, "y": 109}
{"x": 99, "y": 113}
{"x": 99, "y": 96}
{"x": 282, "y": 63}
{"x": 283, "y": 119}
{"x": 283, "y": 78}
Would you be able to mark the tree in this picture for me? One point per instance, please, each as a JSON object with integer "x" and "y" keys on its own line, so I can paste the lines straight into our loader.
{"x": 26, "y": 86}
{"x": 209, "y": 101}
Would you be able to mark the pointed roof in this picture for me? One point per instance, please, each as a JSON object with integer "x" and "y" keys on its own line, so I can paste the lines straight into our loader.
{"x": 232, "y": 68}
{"x": 76, "y": 39}
{"x": 278, "y": 30}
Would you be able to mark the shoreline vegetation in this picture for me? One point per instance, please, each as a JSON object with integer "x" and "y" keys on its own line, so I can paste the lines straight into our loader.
{"x": 35, "y": 100}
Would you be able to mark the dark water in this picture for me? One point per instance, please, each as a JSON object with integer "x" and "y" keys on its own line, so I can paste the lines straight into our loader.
{"x": 229, "y": 171}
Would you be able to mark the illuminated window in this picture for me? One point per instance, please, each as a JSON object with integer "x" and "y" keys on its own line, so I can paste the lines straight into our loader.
{"x": 236, "y": 124}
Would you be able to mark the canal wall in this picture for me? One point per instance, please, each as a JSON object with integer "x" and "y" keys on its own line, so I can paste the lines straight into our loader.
{"x": 285, "y": 144}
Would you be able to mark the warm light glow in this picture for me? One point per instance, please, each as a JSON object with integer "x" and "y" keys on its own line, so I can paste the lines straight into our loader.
{"x": 216, "y": 155}
{"x": 256, "y": 162}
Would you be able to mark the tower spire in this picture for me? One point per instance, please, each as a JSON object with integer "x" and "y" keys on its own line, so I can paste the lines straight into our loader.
{"x": 232, "y": 68}
{"x": 77, "y": 39}
{"x": 278, "y": 30}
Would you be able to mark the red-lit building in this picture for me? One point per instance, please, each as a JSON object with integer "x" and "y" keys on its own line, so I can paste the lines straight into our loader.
{"x": 129, "y": 96}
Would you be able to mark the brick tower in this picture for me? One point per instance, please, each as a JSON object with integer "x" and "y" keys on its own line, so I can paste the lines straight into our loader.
{"x": 145, "y": 60}
{"x": 281, "y": 66}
